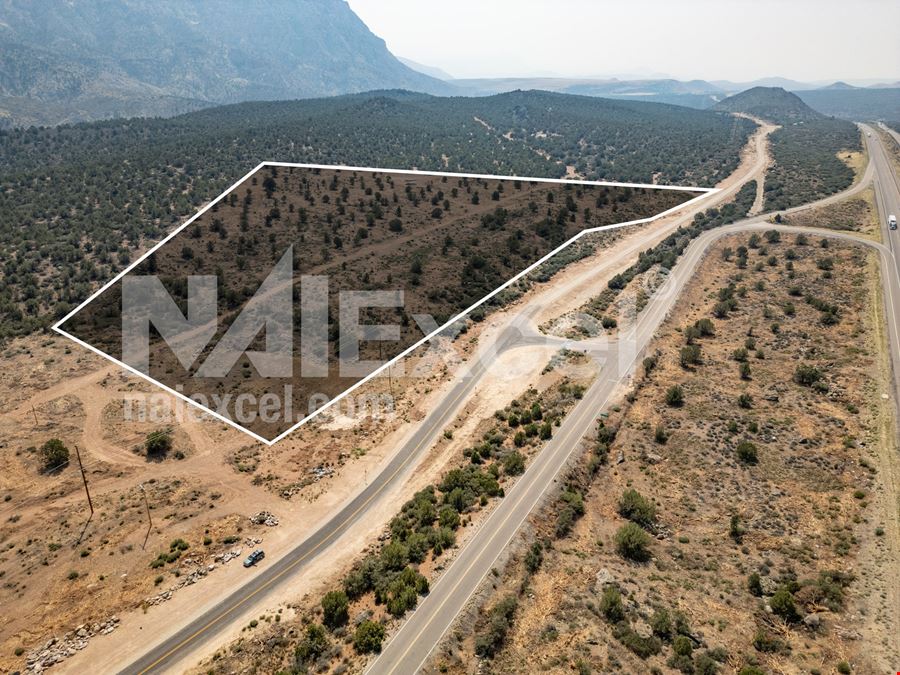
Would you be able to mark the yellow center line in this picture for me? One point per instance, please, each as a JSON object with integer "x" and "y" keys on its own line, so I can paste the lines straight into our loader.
{"x": 513, "y": 510}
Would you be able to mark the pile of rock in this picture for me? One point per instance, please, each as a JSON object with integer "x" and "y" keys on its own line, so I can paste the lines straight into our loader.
{"x": 56, "y": 650}
{"x": 227, "y": 556}
{"x": 194, "y": 576}
{"x": 188, "y": 580}
{"x": 264, "y": 518}
{"x": 321, "y": 471}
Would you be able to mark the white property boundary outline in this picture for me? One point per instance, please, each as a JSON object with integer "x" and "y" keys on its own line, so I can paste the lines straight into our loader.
{"x": 704, "y": 193}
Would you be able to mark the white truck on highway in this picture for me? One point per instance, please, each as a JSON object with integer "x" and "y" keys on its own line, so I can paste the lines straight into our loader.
{"x": 892, "y": 221}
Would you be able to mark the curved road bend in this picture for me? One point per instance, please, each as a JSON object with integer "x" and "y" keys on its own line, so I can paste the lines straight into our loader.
{"x": 409, "y": 648}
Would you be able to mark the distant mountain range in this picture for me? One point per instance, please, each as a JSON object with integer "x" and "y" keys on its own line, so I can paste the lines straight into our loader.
{"x": 838, "y": 99}
{"x": 693, "y": 94}
{"x": 64, "y": 61}
{"x": 431, "y": 71}
{"x": 76, "y": 60}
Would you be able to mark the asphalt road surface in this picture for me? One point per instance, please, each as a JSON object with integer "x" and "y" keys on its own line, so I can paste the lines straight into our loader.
{"x": 410, "y": 647}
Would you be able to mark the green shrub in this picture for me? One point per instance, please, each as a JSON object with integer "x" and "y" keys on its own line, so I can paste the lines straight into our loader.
{"x": 705, "y": 327}
{"x": 683, "y": 646}
{"x": 404, "y": 591}
{"x": 158, "y": 442}
{"x": 661, "y": 624}
{"x": 514, "y": 463}
{"x": 632, "y": 542}
{"x": 368, "y": 637}
{"x": 54, "y": 455}
{"x": 827, "y": 589}
{"x": 689, "y": 356}
{"x": 806, "y": 375}
{"x": 746, "y": 452}
{"x": 546, "y": 431}
{"x": 782, "y": 603}
{"x": 313, "y": 644}
{"x": 335, "y": 605}
{"x": 636, "y": 508}
{"x": 565, "y": 519}
{"x": 575, "y": 500}
{"x": 448, "y": 517}
{"x": 751, "y": 670}
{"x": 394, "y": 556}
{"x": 534, "y": 557}
{"x": 491, "y": 640}
{"x": 644, "y": 647}
{"x": 681, "y": 662}
{"x": 660, "y": 435}
{"x": 765, "y": 642}
{"x": 735, "y": 529}
{"x": 611, "y": 605}
{"x": 675, "y": 396}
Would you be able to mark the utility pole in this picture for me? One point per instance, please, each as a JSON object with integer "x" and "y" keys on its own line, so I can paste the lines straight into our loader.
{"x": 149, "y": 517}
{"x": 86, "y": 491}
{"x": 34, "y": 412}
{"x": 391, "y": 380}
{"x": 390, "y": 376}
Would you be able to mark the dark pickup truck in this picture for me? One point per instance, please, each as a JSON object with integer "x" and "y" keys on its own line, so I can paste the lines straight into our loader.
{"x": 254, "y": 558}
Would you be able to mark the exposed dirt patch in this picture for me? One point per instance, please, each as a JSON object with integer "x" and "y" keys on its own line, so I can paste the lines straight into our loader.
{"x": 856, "y": 214}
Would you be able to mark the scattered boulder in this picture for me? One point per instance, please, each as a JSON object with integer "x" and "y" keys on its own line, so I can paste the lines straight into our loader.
{"x": 264, "y": 518}
{"x": 57, "y": 650}
{"x": 603, "y": 578}
{"x": 768, "y": 585}
{"x": 812, "y": 621}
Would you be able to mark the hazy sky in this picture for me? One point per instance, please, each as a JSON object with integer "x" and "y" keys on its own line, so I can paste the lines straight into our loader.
{"x": 706, "y": 39}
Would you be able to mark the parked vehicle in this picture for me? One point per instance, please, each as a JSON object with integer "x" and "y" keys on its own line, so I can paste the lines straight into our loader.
{"x": 254, "y": 558}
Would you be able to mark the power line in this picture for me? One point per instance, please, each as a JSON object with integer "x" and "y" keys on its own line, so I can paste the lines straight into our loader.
{"x": 87, "y": 492}
{"x": 149, "y": 517}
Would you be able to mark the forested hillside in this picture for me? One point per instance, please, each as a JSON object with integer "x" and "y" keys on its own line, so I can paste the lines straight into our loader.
{"x": 771, "y": 103}
{"x": 805, "y": 148}
{"x": 854, "y": 104}
{"x": 807, "y": 165}
{"x": 79, "y": 201}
